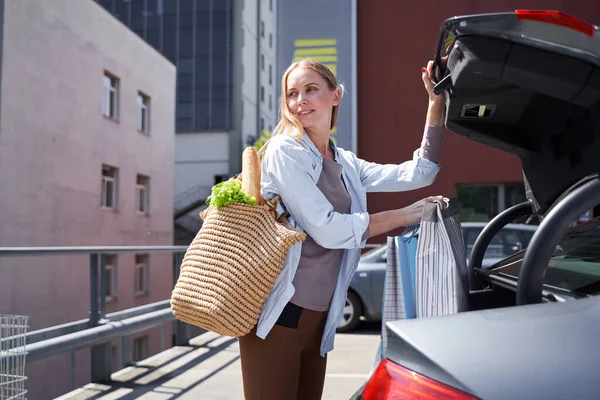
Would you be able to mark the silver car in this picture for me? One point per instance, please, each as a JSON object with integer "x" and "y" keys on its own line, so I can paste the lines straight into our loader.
{"x": 365, "y": 294}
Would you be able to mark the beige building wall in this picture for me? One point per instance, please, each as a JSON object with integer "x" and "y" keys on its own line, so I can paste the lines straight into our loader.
{"x": 54, "y": 141}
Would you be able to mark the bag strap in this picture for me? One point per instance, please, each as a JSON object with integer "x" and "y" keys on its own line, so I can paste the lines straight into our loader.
{"x": 262, "y": 150}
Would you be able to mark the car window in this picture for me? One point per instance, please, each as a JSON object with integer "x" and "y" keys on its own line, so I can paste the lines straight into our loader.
{"x": 505, "y": 243}
{"x": 471, "y": 235}
{"x": 574, "y": 266}
{"x": 527, "y": 235}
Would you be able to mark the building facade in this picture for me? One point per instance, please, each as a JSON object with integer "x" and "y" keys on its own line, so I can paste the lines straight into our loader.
{"x": 86, "y": 159}
{"x": 224, "y": 51}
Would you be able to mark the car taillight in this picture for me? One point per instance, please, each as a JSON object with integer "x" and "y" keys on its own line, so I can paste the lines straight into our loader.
{"x": 391, "y": 381}
{"x": 557, "y": 18}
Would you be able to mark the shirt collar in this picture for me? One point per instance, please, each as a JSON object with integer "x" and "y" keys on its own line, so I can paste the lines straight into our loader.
{"x": 309, "y": 143}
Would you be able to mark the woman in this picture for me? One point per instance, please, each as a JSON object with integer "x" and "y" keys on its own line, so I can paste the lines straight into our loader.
{"x": 323, "y": 189}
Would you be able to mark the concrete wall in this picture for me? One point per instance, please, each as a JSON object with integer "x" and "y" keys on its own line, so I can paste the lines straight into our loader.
{"x": 395, "y": 39}
{"x": 199, "y": 158}
{"x": 54, "y": 140}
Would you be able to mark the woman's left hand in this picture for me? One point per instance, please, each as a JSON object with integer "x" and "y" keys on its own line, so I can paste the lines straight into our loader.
{"x": 427, "y": 75}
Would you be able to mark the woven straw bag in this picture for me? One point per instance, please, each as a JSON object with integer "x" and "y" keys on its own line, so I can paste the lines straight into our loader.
{"x": 231, "y": 266}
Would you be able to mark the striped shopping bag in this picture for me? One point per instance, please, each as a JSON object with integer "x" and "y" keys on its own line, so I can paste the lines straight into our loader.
{"x": 399, "y": 292}
{"x": 441, "y": 263}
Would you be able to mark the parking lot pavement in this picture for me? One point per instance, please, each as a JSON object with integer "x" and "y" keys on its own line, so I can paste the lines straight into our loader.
{"x": 210, "y": 369}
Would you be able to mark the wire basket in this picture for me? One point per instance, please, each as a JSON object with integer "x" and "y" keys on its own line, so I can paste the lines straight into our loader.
{"x": 12, "y": 356}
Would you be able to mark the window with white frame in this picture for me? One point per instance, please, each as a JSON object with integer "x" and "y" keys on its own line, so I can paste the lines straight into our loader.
{"x": 262, "y": 29}
{"x": 270, "y": 101}
{"x": 270, "y": 40}
{"x": 140, "y": 348}
{"x": 110, "y": 276}
{"x": 142, "y": 194}
{"x": 262, "y": 124}
{"x": 262, "y": 62}
{"x": 270, "y": 74}
{"x": 141, "y": 274}
{"x": 110, "y": 176}
{"x": 262, "y": 94}
{"x": 110, "y": 96}
{"x": 143, "y": 102}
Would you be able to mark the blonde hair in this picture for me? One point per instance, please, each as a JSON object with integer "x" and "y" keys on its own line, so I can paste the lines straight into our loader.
{"x": 288, "y": 123}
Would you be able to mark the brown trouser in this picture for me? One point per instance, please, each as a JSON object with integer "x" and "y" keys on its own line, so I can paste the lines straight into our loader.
{"x": 287, "y": 364}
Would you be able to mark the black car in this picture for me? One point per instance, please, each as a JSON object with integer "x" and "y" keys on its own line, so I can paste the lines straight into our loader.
{"x": 526, "y": 82}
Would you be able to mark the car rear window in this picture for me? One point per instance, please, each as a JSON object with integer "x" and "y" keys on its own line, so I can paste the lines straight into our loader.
{"x": 574, "y": 266}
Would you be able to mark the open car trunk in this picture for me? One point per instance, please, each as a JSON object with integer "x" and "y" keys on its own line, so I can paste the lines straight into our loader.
{"x": 527, "y": 83}
{"x": 527, "y": 87}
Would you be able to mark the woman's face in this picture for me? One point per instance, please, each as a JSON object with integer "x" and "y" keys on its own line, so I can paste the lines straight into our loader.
{"x": 310, "y": 99}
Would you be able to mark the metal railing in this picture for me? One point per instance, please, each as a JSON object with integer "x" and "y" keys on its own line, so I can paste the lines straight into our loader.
{"x": 99, "y": 329}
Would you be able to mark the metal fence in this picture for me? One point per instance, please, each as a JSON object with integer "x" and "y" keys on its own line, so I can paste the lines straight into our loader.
{"x": 100, "y": 328}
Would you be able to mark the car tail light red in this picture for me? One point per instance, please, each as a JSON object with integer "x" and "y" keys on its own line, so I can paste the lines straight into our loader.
{"x": 557, "y": 18}
{"x": 391, "y": 381}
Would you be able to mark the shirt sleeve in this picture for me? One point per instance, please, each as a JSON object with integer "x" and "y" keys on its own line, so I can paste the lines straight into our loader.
{"x": 287, "y": 170}
{"x": 431, "y": 145}
{"x": 414, "y": 174}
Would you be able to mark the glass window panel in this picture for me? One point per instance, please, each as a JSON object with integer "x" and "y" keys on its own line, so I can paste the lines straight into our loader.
{"x": 154, "y": 7}
{"x": 221, "y": 5}
{"x": 122, "y": 11}
{"x": 184, "y": 125}
{"x": 170, "y": 21}
{"x": 185, "y": 65}
{"x": 202, "y": 116}
{"x": 203, "y": 5}
{"x": 202, "y": 64}
{"x": 220, "y": 93}
{"x": 154, "y": 22}
{"x": 185, "y": 110}
{"x": 186, "y": 43}
{"x": 219, "y": 115}
{"x": 137, "y": 25}
{"x": 186, "y": 20}
{"x": 219, "y": 71}
{"x": 220, "y": 40}
{"x": 137, "y": 8}
{"x": 184, "y": 80}
{"x": 186, "y": 6}
{"x": 203, "y": 92}
{"x": 169, "y": 7}
{"x": 170, "y": 43}
{"x": 153, "y": 38}
{"x": 184, "y": 94}
{"x": 107, "y": 4}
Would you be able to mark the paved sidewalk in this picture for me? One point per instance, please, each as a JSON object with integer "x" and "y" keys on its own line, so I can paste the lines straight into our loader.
{"x": 210, "y": 369}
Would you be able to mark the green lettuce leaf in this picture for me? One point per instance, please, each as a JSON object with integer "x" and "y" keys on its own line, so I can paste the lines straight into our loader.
{"x": 228, "y": 192}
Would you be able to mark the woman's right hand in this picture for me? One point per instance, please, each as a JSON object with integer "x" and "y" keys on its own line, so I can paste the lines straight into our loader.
{"x": 412, "y": 213}
{"x": 386, "y": 221}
